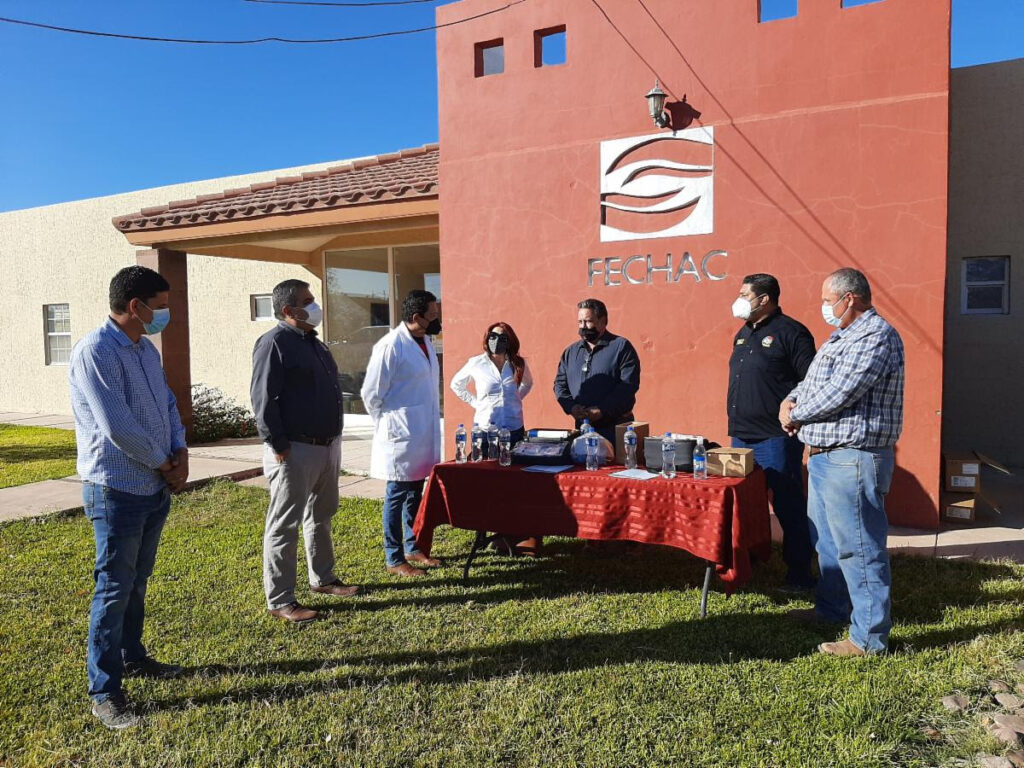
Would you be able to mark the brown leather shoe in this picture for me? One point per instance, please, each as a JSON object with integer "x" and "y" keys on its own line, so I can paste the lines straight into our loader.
{"x": 530, "y": 546}
{"x": 336, "y": 589}
{"x": 404, "y": 569}
{"x": 294, "y": 613}
{"x": 844, "y": 647}
{"x": 421, "y": 559}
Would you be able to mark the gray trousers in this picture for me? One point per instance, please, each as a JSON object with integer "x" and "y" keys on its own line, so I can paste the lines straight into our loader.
{"x": 304, "y": 487}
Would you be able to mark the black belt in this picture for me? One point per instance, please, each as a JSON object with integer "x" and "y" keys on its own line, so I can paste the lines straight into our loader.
{"x": 813, "y": 450}
{"x": 314, "y": 440}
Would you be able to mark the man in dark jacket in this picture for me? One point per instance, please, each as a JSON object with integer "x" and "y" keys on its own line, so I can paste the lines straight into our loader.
{"x": 598, "y": 376}
{"x": 297, "y": 400}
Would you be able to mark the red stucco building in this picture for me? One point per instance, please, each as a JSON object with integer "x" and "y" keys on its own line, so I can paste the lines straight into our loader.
{"x": 805, "y": 144}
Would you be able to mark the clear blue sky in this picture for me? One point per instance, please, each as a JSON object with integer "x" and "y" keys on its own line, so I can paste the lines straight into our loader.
{"x": 85, "y": 116}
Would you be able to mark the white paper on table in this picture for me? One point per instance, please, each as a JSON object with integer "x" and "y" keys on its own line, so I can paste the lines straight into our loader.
{"x": 635, "y": 474}
{"x": 548, "y": 468}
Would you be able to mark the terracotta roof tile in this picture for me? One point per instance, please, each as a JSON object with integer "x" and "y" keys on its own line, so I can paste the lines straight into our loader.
{"x": 405, "y": 175}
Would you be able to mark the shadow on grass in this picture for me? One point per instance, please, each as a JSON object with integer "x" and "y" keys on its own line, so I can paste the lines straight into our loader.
{"x": 925, "y": 591}
{"x": 19, "y": 452}
{"x": 718, "y": 639}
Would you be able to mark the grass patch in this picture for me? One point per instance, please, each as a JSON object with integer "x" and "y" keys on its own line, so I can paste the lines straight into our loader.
{"x": 31, "y": 454}
{"x": 572, "y": 660}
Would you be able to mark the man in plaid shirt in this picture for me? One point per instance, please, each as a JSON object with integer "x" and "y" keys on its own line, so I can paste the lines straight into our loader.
{"x": 849, "y": 412}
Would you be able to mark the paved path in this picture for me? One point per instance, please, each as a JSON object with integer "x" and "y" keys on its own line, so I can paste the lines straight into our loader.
{"x": 998, "y": 532}
{"x": 240, "y": 460}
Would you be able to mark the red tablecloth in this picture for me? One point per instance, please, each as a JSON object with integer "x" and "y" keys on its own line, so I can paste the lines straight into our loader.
{"x": 723, "y": 520}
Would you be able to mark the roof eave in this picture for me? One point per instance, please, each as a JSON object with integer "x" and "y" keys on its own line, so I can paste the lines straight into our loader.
{"x": 285, "y": 222}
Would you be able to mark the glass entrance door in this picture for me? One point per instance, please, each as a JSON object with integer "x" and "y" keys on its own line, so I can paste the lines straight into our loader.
{"x": 358, "y": 314}
{"x": 365, "y": 289}
{"x": 418, "y": 267}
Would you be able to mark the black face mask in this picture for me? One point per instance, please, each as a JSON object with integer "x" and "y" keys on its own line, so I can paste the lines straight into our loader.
{"x": 497, "y": 343}
{"x": 435, "y": 327}
{"x": 589, "y": 334}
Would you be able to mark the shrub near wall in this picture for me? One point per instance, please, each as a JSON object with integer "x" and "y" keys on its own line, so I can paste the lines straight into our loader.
{"x": 216, "y": 416}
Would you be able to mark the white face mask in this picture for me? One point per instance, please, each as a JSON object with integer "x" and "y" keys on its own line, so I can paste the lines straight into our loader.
{"x": 741, "y": 308}
{"x": 828, "y": 314}
{"x": 314, "y": 315}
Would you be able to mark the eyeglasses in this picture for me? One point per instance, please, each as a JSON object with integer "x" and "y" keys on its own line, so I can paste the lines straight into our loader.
{"x": 493, "y": 335}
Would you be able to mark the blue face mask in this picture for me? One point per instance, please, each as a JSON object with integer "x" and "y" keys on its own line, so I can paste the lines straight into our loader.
{"x": 161, "y": 317}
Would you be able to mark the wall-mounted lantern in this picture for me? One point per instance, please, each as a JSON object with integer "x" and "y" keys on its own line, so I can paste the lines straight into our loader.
{"x": 656, "y": 102}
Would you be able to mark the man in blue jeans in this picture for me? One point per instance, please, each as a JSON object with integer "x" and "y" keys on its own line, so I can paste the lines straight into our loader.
{"x": 131, "y": 456}
{"x": 400, "y": 393}
{"x": 849, "y": 412}
{"x": 770, "y": 356}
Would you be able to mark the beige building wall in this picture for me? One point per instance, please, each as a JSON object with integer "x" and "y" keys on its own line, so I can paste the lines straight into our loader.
{"x": 983, "y": 400}
{"x": 67, "y": 253}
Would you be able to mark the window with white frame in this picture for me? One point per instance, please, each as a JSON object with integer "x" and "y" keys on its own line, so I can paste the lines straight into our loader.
{"x": 986, "y": 286}
{"x": 261, "y": 306}
{"x": 57, "y": 325}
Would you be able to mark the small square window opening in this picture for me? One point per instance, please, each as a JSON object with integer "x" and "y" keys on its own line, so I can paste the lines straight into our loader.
{"x": 549, "y": 47}
{"x": 261, "y": 306}
{"x": 985, "y": 286}
{"x": 772, "y": 10}
{"x": 489, "y": 57}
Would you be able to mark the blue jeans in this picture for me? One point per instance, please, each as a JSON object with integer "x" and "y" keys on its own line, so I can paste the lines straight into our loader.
{"x": 127, "y": 531}
{"x": 782, "y": 459}
{"x": 846, "y": 505}
{"x": 401, "y": 500}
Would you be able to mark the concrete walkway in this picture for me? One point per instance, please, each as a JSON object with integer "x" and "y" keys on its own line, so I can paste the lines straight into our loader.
{"x": 997, "y": 533}
{"x": 239, "y": 460}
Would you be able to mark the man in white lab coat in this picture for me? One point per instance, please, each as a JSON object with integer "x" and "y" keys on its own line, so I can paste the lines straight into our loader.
{"x": 400, "y": 392}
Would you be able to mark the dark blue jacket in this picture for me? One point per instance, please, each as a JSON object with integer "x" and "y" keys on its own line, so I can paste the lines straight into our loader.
{"x": 607, "y": 377}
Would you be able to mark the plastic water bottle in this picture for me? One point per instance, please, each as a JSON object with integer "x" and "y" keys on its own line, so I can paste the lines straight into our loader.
{"x": 492, "y": 441}
{"x": 585, "y": 427}
{"x": 504, "y": 447}
{"x": 700, "y": 460}
{"x": 478, "y": 443}
{"x": 668, "y": 457}
{"x": 460, "y": 445}
{"x": 593, "y": 445}
{"x": 629, "y": 439}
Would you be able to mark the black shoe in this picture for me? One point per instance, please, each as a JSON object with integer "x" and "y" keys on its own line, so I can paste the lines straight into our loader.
{"x": 147, "y": 666}
{"x": 115, "y": 713}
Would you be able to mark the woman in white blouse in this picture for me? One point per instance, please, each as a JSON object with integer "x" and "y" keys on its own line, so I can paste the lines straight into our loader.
{"x": 500, "y": 378}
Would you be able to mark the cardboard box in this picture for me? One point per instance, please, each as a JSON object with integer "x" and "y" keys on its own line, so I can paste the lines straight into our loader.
{"x": 730, "y": 462}
{"x": 962, "y": 472}
{"x": 958, "y": 507}
{"x": 642, "y": 429}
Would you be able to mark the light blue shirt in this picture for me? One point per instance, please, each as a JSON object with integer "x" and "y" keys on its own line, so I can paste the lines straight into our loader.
{"x": 126, "y": 417}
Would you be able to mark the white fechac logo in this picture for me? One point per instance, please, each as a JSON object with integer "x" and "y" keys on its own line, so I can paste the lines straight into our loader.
{"x": 682, "y": 196}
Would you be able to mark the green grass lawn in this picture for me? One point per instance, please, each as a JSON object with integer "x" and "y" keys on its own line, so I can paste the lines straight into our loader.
{"x": 31, "y": 454}
{"x": 573, "y": 660}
